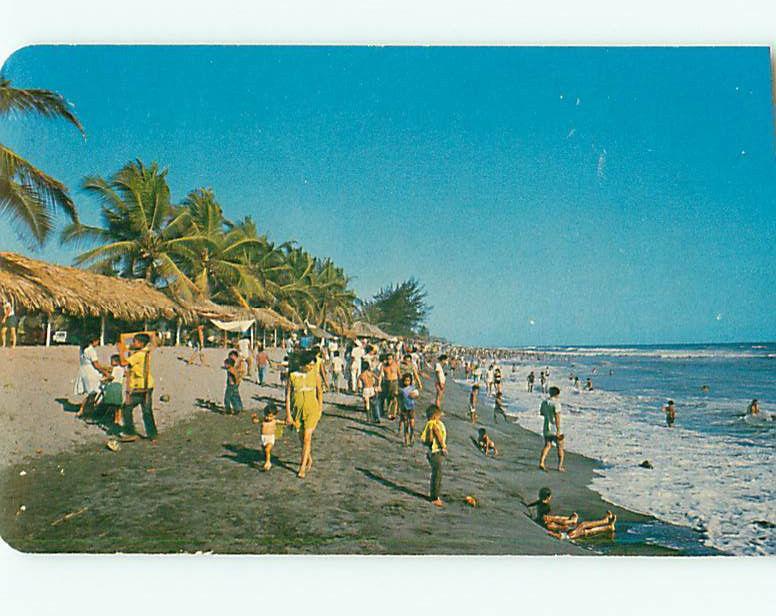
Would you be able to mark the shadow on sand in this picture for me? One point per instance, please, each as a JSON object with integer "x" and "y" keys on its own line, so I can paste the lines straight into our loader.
{"x": 251, "y": 457}
{"x": 391, "y": 484}
{"x": 211, "y": 406}
{"x": 369, "y": 432}
{"x": 67, "y": 406}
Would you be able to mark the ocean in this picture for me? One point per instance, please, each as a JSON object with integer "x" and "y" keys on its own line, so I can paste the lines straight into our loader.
{"x": 713, "y": 472}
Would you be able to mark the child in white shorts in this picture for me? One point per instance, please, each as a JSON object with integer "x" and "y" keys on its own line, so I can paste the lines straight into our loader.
{"x": 268, "y": 427}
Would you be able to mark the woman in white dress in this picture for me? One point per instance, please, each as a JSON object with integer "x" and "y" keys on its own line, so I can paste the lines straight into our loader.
{"x": 90, "y": 373}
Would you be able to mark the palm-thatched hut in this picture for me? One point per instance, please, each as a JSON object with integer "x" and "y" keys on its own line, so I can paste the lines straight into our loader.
{"x": 37, "y": 286}
{"x": 362, "y": 329}
{"x": 268, "y": 318}
{"x": 318, "y": 332}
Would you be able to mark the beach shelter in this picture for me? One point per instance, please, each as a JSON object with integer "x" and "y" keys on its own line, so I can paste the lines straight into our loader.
{"x": 362, "y": 329}
{"x": 37, "y": 286}
{"x": 225, "y": 318}
{"x": 318, "y": 332}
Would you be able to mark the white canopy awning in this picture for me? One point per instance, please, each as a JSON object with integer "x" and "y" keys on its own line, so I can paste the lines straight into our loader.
{"x": 233, "y": 326}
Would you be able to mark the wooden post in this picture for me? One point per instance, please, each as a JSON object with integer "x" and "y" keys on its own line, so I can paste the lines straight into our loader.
{"x": 102, "y": 329}
{"x": 253, "y": 335}
{"x": 48, "y": 330}
{"x": 178, "y": 332}
{"x": 263, "y": 337}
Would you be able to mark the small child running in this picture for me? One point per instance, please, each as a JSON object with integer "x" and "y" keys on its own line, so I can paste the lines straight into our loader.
{"x": 486, "y": 443}
{"x": 268, "y": 428}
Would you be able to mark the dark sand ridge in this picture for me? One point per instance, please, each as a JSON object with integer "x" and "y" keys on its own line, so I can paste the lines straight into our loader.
{"x": 201, "y": 489}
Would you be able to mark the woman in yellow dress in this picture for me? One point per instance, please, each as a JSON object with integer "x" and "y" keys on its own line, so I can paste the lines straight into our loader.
{"x": 304, "y": 405}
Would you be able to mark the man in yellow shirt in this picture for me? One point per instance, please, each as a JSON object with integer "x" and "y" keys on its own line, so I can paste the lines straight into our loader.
{"x": 434, "y": 436}
{"x": 304, "y": 405}
{"x": 140, "y": 385}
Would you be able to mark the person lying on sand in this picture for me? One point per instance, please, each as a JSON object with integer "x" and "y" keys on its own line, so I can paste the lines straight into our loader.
{"x": 485, "y": 443}
{"x": 568, "y": 527}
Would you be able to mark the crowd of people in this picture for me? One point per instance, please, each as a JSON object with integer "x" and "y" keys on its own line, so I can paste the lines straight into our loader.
{"x": 387, "y": 376}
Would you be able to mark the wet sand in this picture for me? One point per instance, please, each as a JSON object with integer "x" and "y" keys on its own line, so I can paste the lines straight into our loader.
{"x": 201, "y": 487}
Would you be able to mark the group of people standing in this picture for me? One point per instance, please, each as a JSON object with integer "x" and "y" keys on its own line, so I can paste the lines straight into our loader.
{"x": 122, "y": 386}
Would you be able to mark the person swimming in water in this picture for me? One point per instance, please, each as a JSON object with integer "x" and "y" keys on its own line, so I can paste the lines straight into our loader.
{"x": 670, "y": 411}
{"x": 753, "y": 408}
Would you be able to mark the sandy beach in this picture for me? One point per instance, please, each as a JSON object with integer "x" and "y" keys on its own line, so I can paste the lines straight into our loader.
{"x": 201, "y": 488}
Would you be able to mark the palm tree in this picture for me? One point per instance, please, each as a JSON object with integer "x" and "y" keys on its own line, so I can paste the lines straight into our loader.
{"x": 314, "y": 290}
{"x": 333, "y": 299}
{"x": 143, "y": 234}
{"x": 224, "y": 262}
{"x": 28, "y": 195}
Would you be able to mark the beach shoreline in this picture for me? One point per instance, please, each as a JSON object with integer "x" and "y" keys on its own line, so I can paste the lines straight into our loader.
{"x": 200, "y": 489}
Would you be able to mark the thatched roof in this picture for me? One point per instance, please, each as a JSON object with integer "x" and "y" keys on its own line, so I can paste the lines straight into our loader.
{"x": 362, "y": 329}
{"x": 318, "y": 332}
{"x": 269, "y": 318}
{"x": 205, "y": 309}
{"x": 38, "y": 286}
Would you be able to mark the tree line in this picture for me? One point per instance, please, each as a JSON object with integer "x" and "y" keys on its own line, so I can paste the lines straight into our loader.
{"x": 189, "y": 249}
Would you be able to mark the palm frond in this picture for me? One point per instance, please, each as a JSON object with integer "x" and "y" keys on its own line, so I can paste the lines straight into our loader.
{"x": 43, "y": 102}
{"x": 52, "y": 193}
{"x": 25, "y": 209}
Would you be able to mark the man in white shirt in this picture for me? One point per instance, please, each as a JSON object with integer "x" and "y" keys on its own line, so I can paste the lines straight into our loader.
{"x": 356, "y": 355}
{"x": 441, "y": 379}
{"x": 244, "y": 349}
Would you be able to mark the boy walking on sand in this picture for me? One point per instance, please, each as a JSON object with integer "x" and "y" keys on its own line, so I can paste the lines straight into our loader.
{"x": 408, "y": 395}
{"x": 268, "y": 427}
{"x": 262, "y": 364}
{"x": 366, "y": 383}
{"x": 232, "y": 401}
{"x": 550, "y": 410}
{"x": 473, "y": 403}
{"x": 434, "y": 436}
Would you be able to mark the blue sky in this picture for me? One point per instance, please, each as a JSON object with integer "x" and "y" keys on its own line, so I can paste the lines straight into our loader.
{"x": 542, "y": 195}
